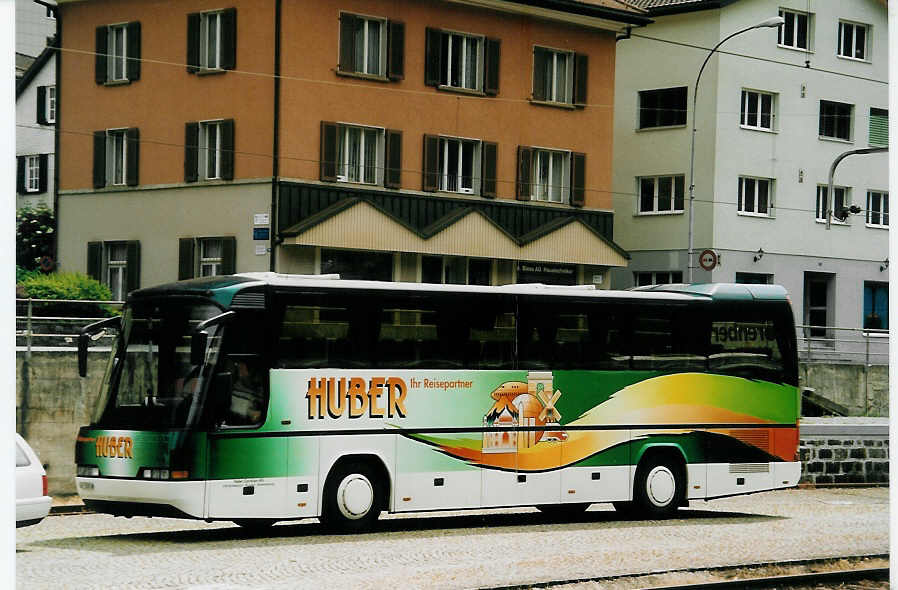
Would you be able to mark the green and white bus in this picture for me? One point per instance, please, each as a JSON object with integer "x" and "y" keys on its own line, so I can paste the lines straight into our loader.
{"x": 262, "y": 397}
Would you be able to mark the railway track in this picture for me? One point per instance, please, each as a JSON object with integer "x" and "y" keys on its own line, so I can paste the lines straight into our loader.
{"x": 861, "y": 571}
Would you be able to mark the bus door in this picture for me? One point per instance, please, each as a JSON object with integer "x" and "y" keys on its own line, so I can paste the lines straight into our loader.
{"x": 247, "y": 457}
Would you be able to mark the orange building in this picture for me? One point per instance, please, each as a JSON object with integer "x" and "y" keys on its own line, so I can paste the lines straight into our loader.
{"x": 437, "y": 141}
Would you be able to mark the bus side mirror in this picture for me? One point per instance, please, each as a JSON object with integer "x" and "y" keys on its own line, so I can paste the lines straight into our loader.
{"x": 83, "y": 341}
{"x": 198, "y": 344}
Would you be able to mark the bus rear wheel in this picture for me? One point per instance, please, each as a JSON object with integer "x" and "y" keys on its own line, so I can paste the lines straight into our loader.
{"x": 659, "y": 488}
{"x": 353, "y": 498}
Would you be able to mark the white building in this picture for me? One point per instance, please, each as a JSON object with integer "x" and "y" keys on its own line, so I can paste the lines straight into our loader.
{"x": 776, "y": 107}
{"x": 35, "y": 23}
{"x": 35, "y": 120}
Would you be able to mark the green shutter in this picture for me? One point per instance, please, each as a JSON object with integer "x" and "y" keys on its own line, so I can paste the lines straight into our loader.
{"x": 578, "y": 179}
{"x": 525, "y": 160}
{"x": 491, "y": 67}
{"x": 430, "y": 178}
{"x": 133, "y": 269}
{"x": 99, "y": 159}
{"x": 133, "y": 51}
{"x": 328, "y": 151}
{"x": 191, "y": 151}
{"x": 227, "y": 149}
{"x": 42, "y": 105}
{"x": 395, "y": 50}
{"x": 229, "y": 39}
{"x": 432, "y": 62}
{"x": 186, "y": 248}
{"x": 102, "y": 47}
{"x": 347, "y": 42}
{"x": 581, "y": 79}
{"x": 393, "y": 160}
{"x": 95, "y": 260}
{"x": 228, "y": 255}
{"x": 193, "y": 42}
{"x": 539, "y": 73}
{"x": 132, "y": 137}
{"x": 43, "y": 166}
{"x": 488, "y": 153}
{"x": 879, "y": 127}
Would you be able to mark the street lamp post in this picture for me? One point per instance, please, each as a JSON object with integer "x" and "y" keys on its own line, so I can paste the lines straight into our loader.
{"x": 774, "y": 21}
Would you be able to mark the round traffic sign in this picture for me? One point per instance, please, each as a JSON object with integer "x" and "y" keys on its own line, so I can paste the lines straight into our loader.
{"x": 707, "y": 259}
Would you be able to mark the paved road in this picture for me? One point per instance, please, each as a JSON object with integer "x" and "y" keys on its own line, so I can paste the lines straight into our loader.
{"x": 448, "y": 550}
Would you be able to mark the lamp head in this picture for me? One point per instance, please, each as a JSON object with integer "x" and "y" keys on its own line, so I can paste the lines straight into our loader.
{"x": 773, "y": 21}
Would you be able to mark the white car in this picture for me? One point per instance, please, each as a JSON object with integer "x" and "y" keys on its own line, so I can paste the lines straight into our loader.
{"x": 32, "y": 499}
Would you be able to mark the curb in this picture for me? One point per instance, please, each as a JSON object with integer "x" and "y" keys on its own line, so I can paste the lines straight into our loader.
{"x": 70, "y": 509}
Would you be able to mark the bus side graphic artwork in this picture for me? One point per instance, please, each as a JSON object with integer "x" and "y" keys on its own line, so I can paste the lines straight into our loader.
{"x": 518, "y": 424}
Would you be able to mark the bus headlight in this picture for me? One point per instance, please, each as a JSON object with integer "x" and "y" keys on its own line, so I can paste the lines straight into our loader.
{"x": 154, "y": 473}
{"x": 88, "y": 471}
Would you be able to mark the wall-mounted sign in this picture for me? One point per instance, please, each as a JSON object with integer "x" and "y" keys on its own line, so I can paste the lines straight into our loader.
{"x": 549, "y": 274}
{"x": 261, "y": 250}
{"x": 260, "y": 219}
{"x": 707, "y": 259}
{"x": 260, "y": 233}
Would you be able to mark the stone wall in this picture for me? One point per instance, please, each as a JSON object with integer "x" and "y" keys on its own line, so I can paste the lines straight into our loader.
{"x": 839, "y": 453}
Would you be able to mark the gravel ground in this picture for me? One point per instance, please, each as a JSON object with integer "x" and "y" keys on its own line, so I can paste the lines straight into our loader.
{"x": 450, "y": 550}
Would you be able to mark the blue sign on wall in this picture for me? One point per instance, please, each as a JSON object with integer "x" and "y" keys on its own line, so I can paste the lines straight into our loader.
{"x": 260, "y": 233}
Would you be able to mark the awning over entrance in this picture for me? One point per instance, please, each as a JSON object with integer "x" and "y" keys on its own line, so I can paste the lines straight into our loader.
{"x": 359, "y": 225}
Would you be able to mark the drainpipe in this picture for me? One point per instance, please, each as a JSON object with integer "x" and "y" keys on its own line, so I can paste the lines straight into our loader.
{"x": 275, "y": 150}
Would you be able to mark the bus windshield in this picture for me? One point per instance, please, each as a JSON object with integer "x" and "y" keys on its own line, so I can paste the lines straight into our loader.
{"x": 150, "y": 380}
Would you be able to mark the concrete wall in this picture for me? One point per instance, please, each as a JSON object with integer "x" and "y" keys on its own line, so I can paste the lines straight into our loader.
{"x": 52, "y": 402}
{"x": 863, "y": 392}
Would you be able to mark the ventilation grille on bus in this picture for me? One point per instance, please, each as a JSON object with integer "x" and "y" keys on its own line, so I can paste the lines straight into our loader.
{"x": 749, "y": 467}
{"x": 755, "y": 438}
{"x": 249, "y": 300}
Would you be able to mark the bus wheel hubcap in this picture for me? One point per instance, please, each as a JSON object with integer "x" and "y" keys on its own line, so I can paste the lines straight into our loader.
{"x": 661, "y": 484}
{"x": 355, "y": 496}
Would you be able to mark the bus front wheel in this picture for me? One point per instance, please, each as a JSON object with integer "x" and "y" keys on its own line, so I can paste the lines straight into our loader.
{"x": 353, "y": 498}
{"x": 658, "y": 488}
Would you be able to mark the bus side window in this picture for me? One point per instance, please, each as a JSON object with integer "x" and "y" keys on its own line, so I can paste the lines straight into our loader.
{"x": 610, "y": 337}
{"x": 491, "y": 343}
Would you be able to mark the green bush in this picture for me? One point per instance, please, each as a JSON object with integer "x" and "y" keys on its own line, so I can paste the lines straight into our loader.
{"x": 24, "y": 274}
{"x": 70, "y": 286}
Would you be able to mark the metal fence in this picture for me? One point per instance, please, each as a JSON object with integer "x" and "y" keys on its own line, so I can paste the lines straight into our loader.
{"x": 53, "y": 324}
{"x": 843, "y": 345}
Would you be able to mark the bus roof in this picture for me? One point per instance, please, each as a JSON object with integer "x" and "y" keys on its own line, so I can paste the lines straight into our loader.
{"x": 223, "y": 288}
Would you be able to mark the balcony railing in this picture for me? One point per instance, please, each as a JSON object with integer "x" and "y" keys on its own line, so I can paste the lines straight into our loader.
{"x": 843, "y": 345}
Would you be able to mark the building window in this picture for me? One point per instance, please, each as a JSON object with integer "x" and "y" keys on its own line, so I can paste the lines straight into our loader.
{"x": 116, "y": 60}
{"x": 212, "y": 40}
{"x": 461, "y": 57}
{"x": 660, "y": 277}
{"x": 842, "y": 198}
{"x": 356, "y": 265}
{"x": 206, "y": 257}
{"x": 757, "y": 110}
{"x": 363, "y": 45}
{"x": 795, "y": 32}
{"x": 755, "y": 196}
{"x": 662, "y": 108}
{"x": 210, "y": 148}
{"x": 358, "y": 154}
{"x": 51, "y": 104}
{"x": 879, "y": 127}
{"x": 458, "y": 159}
{"x": 661, "y": 194}
{"x": 876, "y": 306}
{"x": 210, "y": 257}
{"x": 116, "y": 157}
{"x": 754, "y": 278}
{"x": 32, "y": 173}
{"x": 553, "y": 75}
{"x": 117, "y": 269}
{"x": 853, "y": 40}
{"x": 116, "y": 265}
{"x": 817, "y": 304}
{"x": 835, "y": 120}
{"x": 878, "y": 209}
{"x": 551, "y": 176}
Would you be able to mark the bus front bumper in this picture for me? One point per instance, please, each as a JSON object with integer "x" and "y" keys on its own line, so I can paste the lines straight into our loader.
{"x": 135, "y": 497}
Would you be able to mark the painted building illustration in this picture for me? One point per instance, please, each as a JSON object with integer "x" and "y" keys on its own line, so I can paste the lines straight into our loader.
{"x": 522, "y": 404}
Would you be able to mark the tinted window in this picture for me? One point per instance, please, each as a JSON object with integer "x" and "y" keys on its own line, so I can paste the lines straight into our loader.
{"x": 21, "y": 457}
{"x": 754, "y": 343}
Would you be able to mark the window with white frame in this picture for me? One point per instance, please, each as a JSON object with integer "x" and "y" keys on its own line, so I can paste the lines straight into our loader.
{"x": 661, "y": 194}
{"x": 32, "y": 174}
{"x": 117, "y": 46}
{"x": 210, "y": 149}
{"x": 757, "y": 110}
{"x": 661, "y": 277}
{"x": 367, "y": 44}
{"x": 359, "y": 152}
{"x": 458, "y": 159}
{"x": 210, "y": 40}
{"x": 755, "y": 196}
{"x": 842, "y": 198}
{"x": 551, "y": 176}
{"x": 116, "y": 157}
{"x": 795, "y": 33}
{"x": 461, "y": 59}
{"x": 553, "y": 75}
{"x": 835, "y": 120}
{"x": 853, "y": 40}
{"x": 210, "y": 259}
{"x": 51, "y": 104}
{"x": 117, "y": 269}
{"x": 878, "y": 209}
